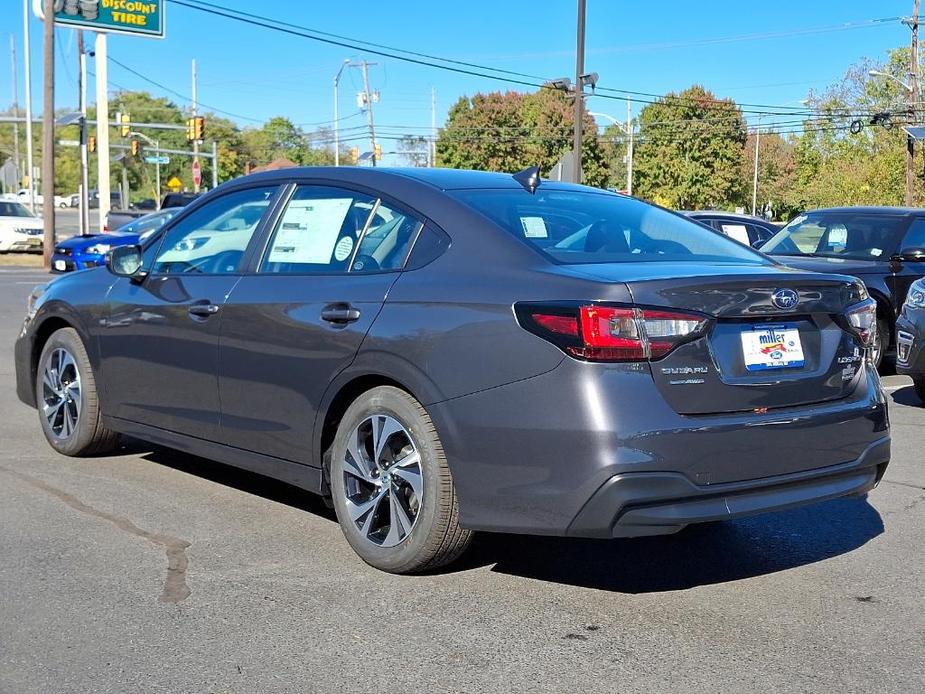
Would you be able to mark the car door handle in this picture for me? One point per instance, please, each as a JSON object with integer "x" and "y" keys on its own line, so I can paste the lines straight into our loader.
{"x": 340, "y": 313}
{"x": 203, "y": 310}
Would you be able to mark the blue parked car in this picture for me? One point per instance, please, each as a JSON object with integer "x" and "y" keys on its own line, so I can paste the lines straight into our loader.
{"x": 84, "y": 252}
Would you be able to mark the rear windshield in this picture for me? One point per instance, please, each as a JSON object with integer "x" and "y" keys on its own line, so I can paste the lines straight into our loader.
{"x": 849, "y": 235}
{"x": 587, "y": 227}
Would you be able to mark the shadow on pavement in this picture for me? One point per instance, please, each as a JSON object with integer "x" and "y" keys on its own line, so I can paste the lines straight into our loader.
{"x": 699, "y": 555}
{"x": 906, "y": 396}
{"x": 236, "y": 478}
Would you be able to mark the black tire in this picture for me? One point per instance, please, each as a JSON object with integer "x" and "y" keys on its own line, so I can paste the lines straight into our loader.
{"x": 435, "y": 538}
{"x": 89, "y": 436}
{"x": 919, "y": 383}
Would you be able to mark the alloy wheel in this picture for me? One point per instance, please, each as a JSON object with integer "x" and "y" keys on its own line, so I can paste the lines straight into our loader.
{"x": 61, "y": 393}
{"x": 383, "y": 480}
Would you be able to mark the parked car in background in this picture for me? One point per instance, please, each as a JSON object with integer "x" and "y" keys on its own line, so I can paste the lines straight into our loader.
{"x": 20, "y": 230}
{"x": 443, "y": 351}
{"x": 178, "y": 199}
{"x": 84, "y": 252}
{"x": 148, "y": 204}
{"x": 744, "y": 228}
{"x": 910, "y": 337}
{"x": 93, "y": 200}
{"x": 60, "y": 200}
{"x": 882, "y": 246}
{"x": 116, "y": 219}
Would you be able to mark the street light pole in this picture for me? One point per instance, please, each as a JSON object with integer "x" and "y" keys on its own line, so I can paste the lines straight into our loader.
{"x": 27, "y": 60}
{"x": 336, "y": 124}
{"x": 48, "y": 137}
{"x": 755, "y": 176}
{"x": 579, "y": 88}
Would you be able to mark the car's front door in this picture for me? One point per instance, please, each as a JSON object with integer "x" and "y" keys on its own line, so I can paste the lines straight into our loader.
{"x": 159, "y": 345}
{"x": 293, "y": 324}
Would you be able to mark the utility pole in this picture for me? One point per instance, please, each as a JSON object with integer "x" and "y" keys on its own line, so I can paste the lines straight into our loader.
{"x": 102, "y": 128}
{"x": 195, "y": 113}
{"x": 48, "y": 137}
{"x": 83, "y": 199}
{"x": 433, "y": 128}
{"x": 755, "y": 174}
{"x": 13, "y": 83}
{"x": 27, "y": 60}
{"x": 629, "y": 148}
{"x": 369, "y": 108}
{"x": 913, "y": 106}
{"x": 214, "y": 165}
{"x": 579, "y": 88}
{"x": 346, "y": 63}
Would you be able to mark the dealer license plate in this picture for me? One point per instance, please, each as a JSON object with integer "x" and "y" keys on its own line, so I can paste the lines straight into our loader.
{"x": 772, "y": 347}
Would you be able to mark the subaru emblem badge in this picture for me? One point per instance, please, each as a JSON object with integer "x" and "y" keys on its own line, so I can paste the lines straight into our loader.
{"x": 785, "y": 299}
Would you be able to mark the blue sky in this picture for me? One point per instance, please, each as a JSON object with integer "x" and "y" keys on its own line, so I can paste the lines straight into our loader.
{"x": 647, "y": 47}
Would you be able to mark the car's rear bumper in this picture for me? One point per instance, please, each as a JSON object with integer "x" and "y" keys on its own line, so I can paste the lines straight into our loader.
{"x": 574, "y": 450}
{"x": 654, "y": 503}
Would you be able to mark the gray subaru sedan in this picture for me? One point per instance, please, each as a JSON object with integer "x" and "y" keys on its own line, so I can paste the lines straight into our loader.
{"x": 440, "y": 352}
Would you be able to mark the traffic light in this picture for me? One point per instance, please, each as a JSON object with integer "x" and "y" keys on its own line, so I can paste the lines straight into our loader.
{"x": 136, "y": 148}
{"x": 354, "y": 154}
{"x": 91, "y": 143}
{"x": 196, "y": 128}
{"x": 124, "y": 127}
{"x": 377, "y": 151}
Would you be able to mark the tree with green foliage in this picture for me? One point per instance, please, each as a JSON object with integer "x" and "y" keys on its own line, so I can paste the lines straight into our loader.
{"x": 510, "y": 131}
{"x": 690, "y": 151}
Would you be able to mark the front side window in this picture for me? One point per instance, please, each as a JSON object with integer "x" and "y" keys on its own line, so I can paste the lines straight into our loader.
{"x": 915, "y": 235}
{"x": 586, "y": 227}
{"x": 213, "y": 239}
{"x": 846, "y": 235}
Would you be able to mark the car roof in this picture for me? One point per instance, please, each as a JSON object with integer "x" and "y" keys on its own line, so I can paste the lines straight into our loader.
{"x": 723, "y": 213}
{"x": 441, "y": 179}
{"x": 872, "y": 209}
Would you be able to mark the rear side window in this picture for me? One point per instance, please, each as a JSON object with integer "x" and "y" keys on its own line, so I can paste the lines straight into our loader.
{"x": 587, "y": 227}
{"x": 387, "y": 240}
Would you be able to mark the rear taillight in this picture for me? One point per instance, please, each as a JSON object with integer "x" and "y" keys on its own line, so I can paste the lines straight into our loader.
{"x": 862, "y": 319}
{"x": 612, "y": 333}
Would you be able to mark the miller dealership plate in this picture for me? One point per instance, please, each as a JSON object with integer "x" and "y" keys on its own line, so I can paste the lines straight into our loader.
{"x": 772, "y": 347}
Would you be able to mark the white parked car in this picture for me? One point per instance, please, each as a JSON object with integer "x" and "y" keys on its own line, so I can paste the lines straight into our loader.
{"x": 60, "y": 200}
{"x": 20, "y": 230}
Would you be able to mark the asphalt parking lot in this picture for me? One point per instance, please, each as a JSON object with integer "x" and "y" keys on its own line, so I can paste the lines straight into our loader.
{"x": 154, "y": 571}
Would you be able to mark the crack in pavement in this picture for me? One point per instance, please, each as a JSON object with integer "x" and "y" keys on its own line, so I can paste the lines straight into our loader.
{"x": 175, "y": 588}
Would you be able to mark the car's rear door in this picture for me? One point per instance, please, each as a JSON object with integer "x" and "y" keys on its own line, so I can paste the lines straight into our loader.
{"x": 298, "y": 319}
{"x": 159, "y": 345}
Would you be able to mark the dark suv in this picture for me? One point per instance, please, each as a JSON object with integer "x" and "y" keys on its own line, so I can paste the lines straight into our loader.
{"x": 883, "y": 246}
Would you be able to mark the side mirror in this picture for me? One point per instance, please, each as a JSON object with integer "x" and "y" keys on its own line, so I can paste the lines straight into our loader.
{"x": 125, "y": 261}
{"x": 915, "y": 254}
{"x": 759, "y": 243}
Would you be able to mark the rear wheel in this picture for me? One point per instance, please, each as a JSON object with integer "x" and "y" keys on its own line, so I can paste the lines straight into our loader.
{"x": 67, "y": 400}
{"x": 880, "y": 343}
{"x": 919, "y": 383}
{"x": 391, "y": 486}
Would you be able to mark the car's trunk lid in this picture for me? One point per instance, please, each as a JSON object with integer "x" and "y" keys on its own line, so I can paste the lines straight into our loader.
{"x": 756, "y": 354}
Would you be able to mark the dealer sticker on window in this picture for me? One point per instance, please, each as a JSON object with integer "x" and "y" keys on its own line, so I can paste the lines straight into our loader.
{"x": 772, "y": 347}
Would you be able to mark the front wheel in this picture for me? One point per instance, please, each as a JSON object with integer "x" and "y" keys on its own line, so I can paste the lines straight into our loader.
{"x": 68, "y": 404}
{"x": 392, "y": 488}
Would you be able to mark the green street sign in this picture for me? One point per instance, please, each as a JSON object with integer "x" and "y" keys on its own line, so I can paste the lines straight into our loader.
{"x": 134, "y": 17}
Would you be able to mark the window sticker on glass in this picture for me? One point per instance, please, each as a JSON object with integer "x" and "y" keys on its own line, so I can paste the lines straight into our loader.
{"x": 876, "y": 251}
{"x": 737, "y": 232}
{"x": 838, "y": 235}
{"x": 534, "y": 227}
{"x": 308, "y": 231}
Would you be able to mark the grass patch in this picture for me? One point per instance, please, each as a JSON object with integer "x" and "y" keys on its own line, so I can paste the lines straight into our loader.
{"x": 21, "y": 259}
